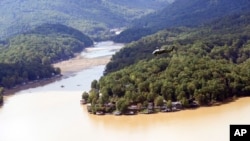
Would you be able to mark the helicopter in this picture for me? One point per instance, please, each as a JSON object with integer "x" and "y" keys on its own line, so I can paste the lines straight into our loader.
{"x": 162, "y": 50}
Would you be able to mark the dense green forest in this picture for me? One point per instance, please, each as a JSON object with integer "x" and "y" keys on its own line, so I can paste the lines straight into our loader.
{"x": 229, "y": 26}
{"x": 188, "y": 13}
{"x": 93, "y": 17}
{"x": 209, "y": 64}
{"x": 27, "y": 57}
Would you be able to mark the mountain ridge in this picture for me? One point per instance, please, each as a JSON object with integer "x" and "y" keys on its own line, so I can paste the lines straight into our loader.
{"x": 202, "y": 10}
{"x": 188, "y": 13}
{"x": 88, "y": 16}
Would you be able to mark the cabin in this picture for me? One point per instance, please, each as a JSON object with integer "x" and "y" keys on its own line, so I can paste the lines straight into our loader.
{"x": 164, "y": 108}
{"x": 110, "y": 104}
{"x": 117, "y": 113}
{"x": 148, "y": 111}
{"x": 193, "y": 104}
{"x": 150, "y": 106}
{"x": 176, "y": 105}
{"x": 129, "y": 112}
{"x": 100, "y": 113}
{"x": 133, "y": 107}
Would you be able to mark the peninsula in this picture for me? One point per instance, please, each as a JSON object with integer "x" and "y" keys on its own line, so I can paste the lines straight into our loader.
{"x": 209, "y": 64}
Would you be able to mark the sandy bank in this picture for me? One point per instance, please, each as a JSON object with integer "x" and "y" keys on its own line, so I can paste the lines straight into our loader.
{"x": 67, "y": 67}
{"x": 76, "y": 64}
{"x": 79, "y": 63}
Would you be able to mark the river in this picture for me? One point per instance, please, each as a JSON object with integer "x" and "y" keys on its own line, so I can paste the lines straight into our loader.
{"x": 54, "y": 113}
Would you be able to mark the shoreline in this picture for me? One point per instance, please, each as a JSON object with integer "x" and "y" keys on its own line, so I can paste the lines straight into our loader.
{"x": 68, "y": 67}
{"x": 156, "y": 111}
{"x": 32, "y": 84}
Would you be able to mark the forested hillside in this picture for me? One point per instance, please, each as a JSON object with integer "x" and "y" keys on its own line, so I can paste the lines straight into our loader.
{"x": 93, "y": 17}
{"x": 209, "y": 64}
{"x": 230, "y": 26}
{"x": 187, "y": 13}
{"x": 193, "y": 12}
{"x": 27, "y": 57}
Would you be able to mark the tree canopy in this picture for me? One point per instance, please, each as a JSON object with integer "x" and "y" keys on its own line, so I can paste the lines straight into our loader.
{"x": 27, "y": 57}
{"x": 209, "y": 64}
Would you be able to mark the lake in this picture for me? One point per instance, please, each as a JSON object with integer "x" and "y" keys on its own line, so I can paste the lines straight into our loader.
{"x": 54, "y": 113}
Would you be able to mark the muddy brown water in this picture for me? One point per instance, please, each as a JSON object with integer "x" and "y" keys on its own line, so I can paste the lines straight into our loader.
{"x": 54, "y": 113}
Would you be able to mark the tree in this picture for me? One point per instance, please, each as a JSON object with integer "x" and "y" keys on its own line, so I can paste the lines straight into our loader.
{"x": 118, "y": 90}
{"x": 93, "y": 96}
{"x": 169, "y": 104}
{"x": 155, "y": 87}
{"x": 85, "y": 96}
{"x": 57, "y": 71}
{"x": 151, "y": 97}
{"x": 46, "y": 60}
{"x": 184, "y": 102}
{"x": 129, "y": 96}
{"x": 94, "y": 84}
{"x": 104, "y": 98}
{"x": 8, "y": 82}
{"x": 122, "y": 104}
{"x": 159, "y": 101}
{"x": 144, "y": 86}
